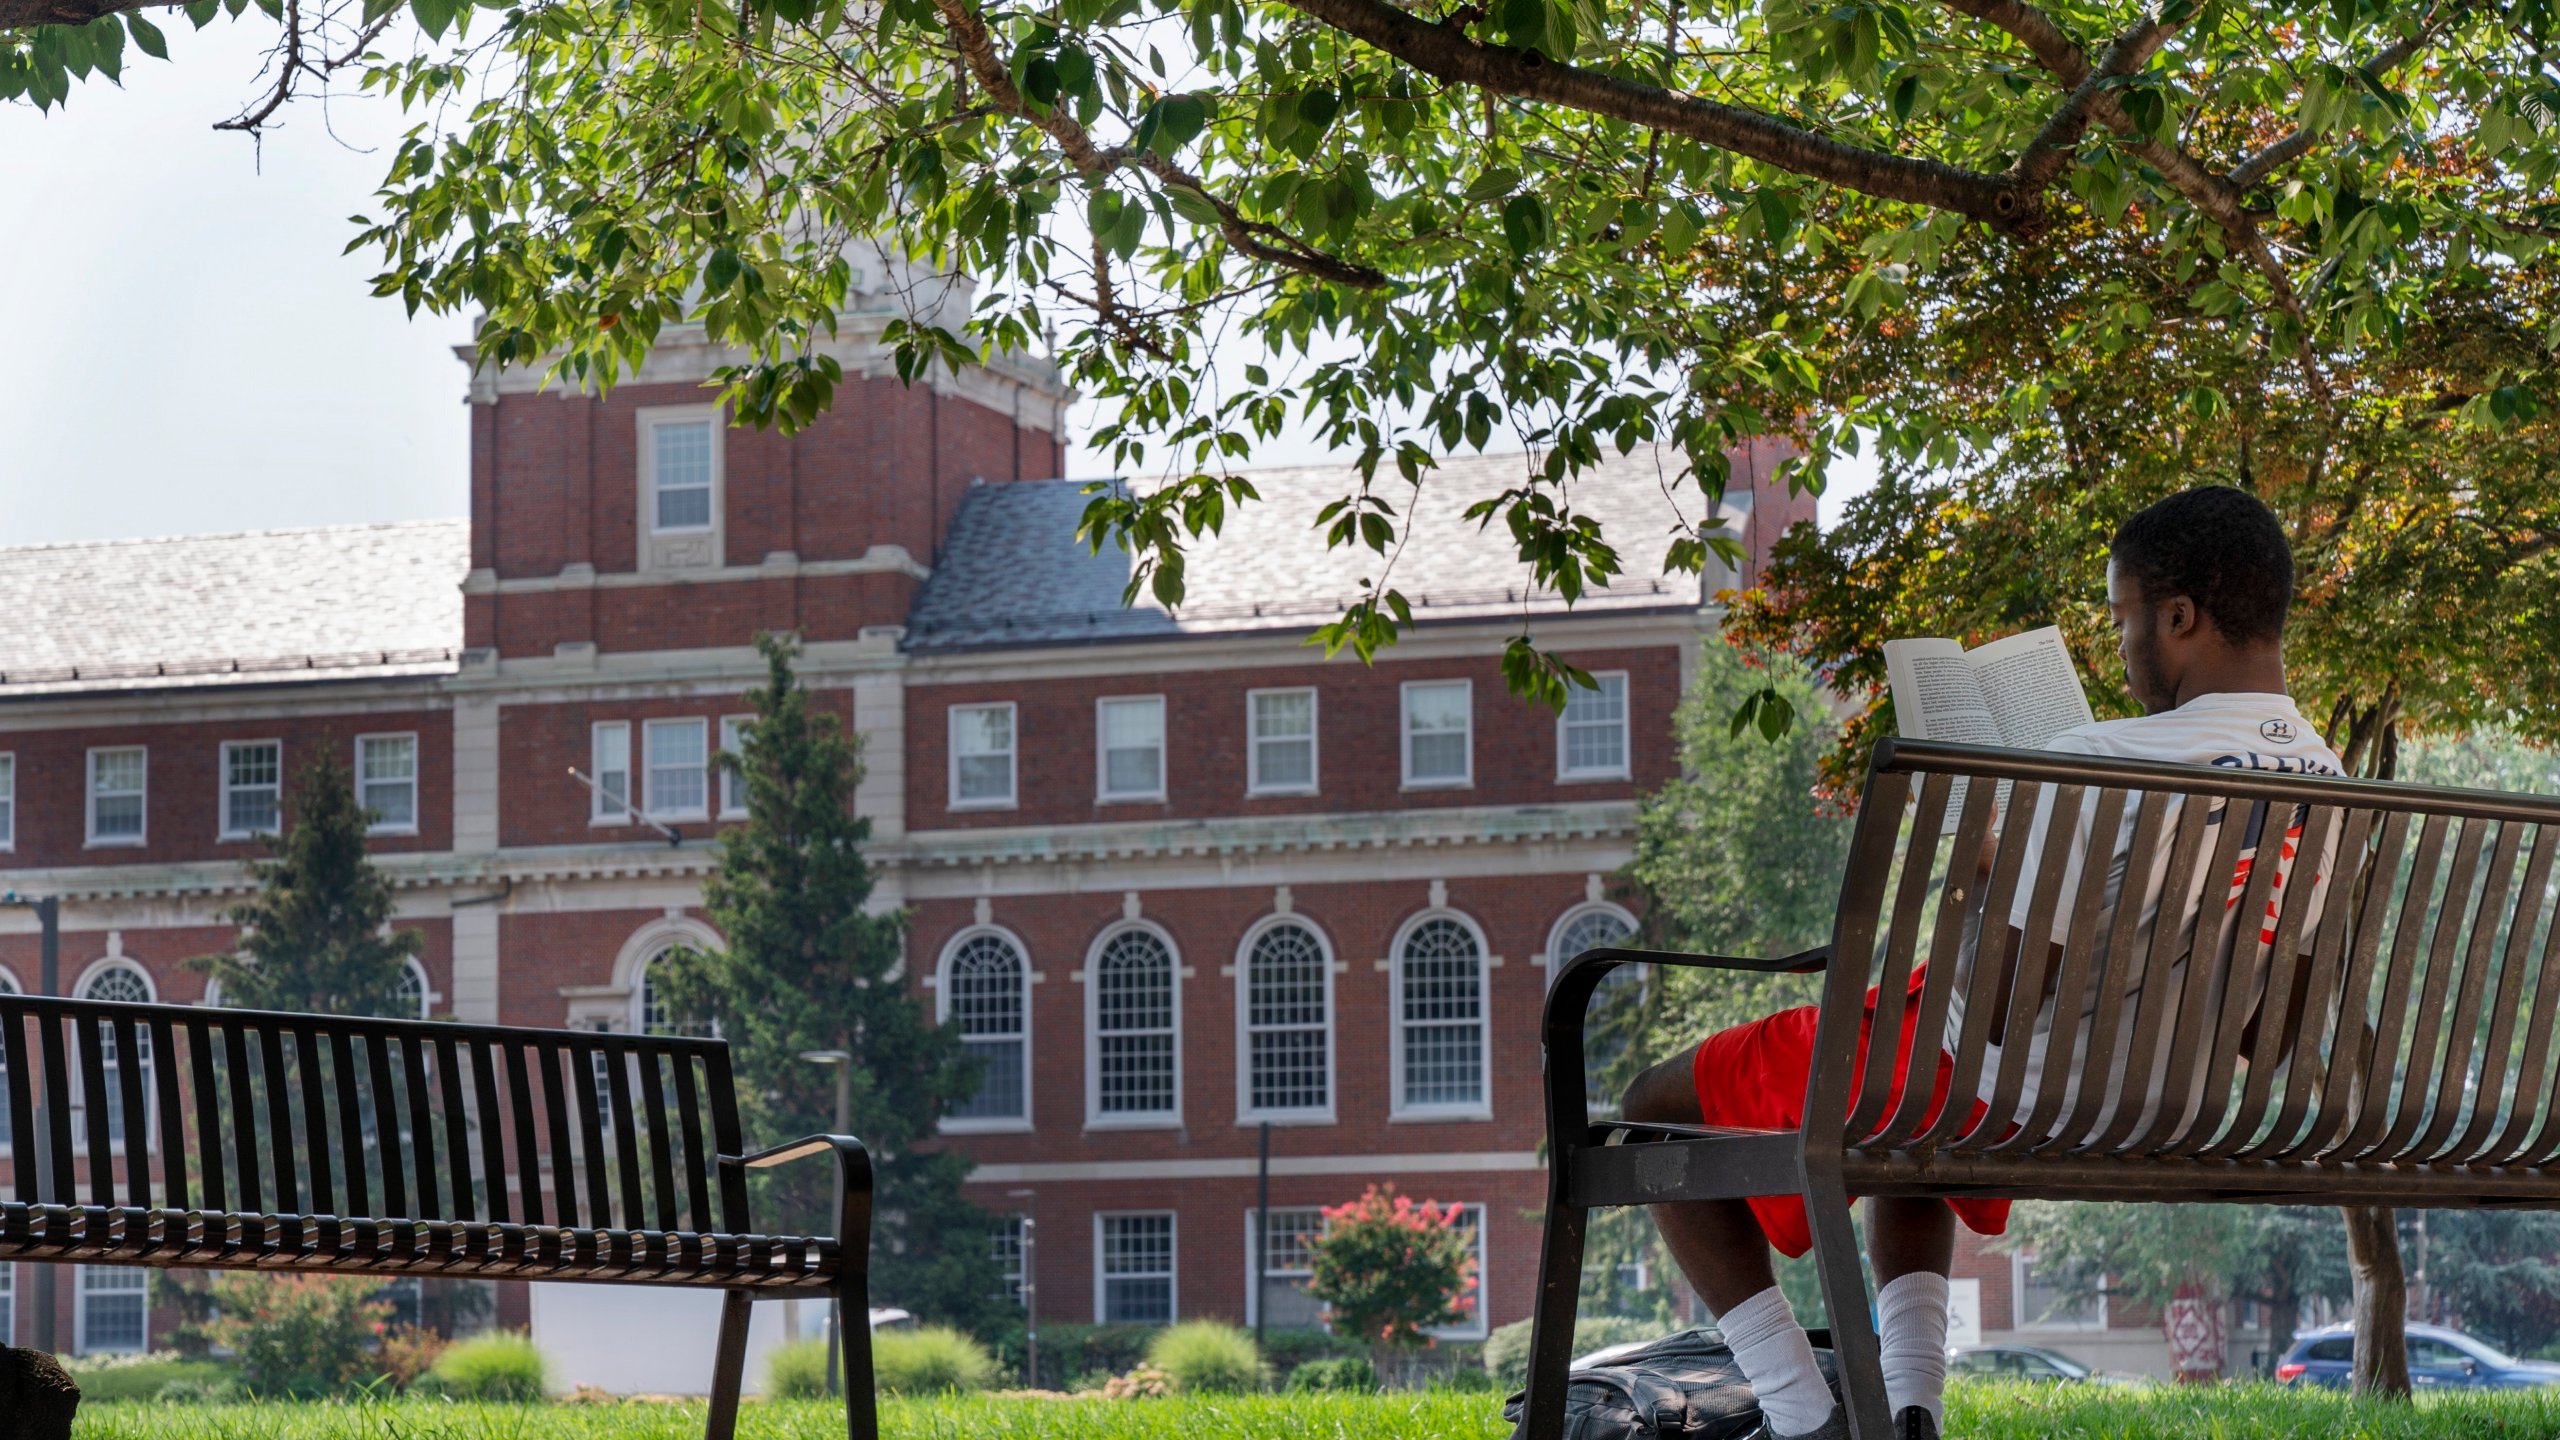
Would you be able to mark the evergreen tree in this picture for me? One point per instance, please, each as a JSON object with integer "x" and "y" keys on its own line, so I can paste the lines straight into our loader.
{"x": 314, "y": 938}
{"x": 807, "y": 966}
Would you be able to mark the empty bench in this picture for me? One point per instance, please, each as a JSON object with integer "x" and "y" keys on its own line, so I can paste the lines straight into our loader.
{"x": 2404, "y": 1054}
{"x": 181, "y": 1136}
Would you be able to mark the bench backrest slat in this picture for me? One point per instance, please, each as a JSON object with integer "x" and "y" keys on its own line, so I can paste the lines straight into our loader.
{"x": 2242, "y": 966}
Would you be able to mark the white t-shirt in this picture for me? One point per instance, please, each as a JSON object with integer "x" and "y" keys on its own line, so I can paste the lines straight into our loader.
{"x": 2240, "y": 729}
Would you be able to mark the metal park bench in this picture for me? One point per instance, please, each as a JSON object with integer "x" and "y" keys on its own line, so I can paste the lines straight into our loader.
{"x": 2406, "y": 1055}
{"x": 180, "y": 1136}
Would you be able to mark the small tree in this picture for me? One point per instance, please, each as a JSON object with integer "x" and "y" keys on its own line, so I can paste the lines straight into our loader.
{"x": 1392, "y": 1269}
{"x": 315, "y": 938}
{"x": 301, "y": 1335}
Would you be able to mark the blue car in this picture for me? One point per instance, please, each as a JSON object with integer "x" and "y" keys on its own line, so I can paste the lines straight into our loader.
{"x": 2439, "y": 1359}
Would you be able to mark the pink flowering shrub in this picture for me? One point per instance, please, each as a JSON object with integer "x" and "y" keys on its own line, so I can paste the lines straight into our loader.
{"x": 1391, "y": 1268}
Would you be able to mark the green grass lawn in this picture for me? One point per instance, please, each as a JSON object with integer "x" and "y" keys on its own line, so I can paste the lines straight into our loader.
{"x": 1976, "y": 1412}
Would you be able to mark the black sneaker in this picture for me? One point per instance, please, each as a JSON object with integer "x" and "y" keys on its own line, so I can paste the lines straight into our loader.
{"x": 1914, "y": 1424}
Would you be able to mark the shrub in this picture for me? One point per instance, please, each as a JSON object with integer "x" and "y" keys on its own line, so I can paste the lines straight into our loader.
{"x": 300, "y": 1335}
{"x": 1340, "y": 1372}
{"x": 797, "y": 1371}
{"x": 1084, "y": 1350}
{"x": 500, "y": 1366}
{"x": 1392, "y": 1269}
{"x": 1206, "y": 1355}
{"x": 928, "y": 1361}
{"x": 1144, "y": 1383}
{"x": 408, "y": 1352}
{"x": 1506, "y": 1350}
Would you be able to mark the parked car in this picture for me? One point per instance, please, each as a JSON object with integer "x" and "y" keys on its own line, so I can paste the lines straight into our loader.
{"x": 2438, "y": 1359}
{"x": 2025, "y": 1362}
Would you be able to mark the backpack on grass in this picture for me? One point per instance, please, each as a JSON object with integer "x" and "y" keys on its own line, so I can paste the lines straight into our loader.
{"x": 1680, "y": 1387}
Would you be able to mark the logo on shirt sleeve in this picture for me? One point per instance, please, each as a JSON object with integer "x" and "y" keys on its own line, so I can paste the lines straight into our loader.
{"x": 2278, "y": 732}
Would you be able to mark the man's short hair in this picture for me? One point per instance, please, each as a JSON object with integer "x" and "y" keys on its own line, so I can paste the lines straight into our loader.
{"x": 2220, "y": 547}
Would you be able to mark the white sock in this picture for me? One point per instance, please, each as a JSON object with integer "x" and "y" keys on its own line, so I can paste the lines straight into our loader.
{"x": 1912, "y": 1314}
{"x": 1777, "y": 1359}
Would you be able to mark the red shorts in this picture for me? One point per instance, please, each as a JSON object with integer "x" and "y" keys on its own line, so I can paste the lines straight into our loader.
{"x": 1752, "y": 1077}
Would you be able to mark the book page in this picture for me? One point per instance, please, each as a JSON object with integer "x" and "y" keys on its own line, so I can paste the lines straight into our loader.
{"x": 1936, "y": 695}
{"x": 2030, "y": 687}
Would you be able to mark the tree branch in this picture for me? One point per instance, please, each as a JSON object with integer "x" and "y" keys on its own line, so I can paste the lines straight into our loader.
{"x": 2050, "y": 151}
{"x": 28, "y": 14}
{"x": 1499, "y": 69}
{"x": 2292, "y": 147}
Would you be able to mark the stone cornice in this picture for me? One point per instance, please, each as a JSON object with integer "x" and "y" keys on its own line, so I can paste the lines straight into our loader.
{"x": 781, "y": 565}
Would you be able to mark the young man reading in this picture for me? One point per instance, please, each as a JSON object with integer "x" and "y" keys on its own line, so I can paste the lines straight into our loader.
{"x": 2199, "y": 585}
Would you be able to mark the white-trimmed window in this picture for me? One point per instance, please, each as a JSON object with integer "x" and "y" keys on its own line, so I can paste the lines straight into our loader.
{"x": 1591, "y": 734}
{"x": 113, "y": 1311}
{"x": 409, "y": 1001}
{"x": 1134, "y": 1059}
{"x": 252, "y": 788}
{"x": 1004, "y": 1239}
{"x": 679, "y": 768}
{"x": 985, "y": 990}
{"x": 1129, "y": 748}
{"x": 1470, "y": 1223}
{"x": 1280, "y": 757}
{"x": 1134, "y": 1283}
{"x": 124, "y": 982}
{"x": 609, "y": 765}
{"x": 650, "y": 1012}
{"x": 1441, "y": 1033}
{"x": 387, "y": 782}
{"x": 982, "y": 754}
{"x": 733, "y": 786}
{"x": 119, "y": 786}
{"x": 1286, "y": 1242}
{"x": 8, "y": 806}
{"x": 1439, "y": 734}
{"x": 2036, "y": 1301}
{"x": 1286, "y": 1007}
{"x": 683, "y": 474}
{"x": 1608, "y": 1018}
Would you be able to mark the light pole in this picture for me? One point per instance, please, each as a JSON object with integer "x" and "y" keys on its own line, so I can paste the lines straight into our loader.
{"x": 842, "y": 1063}
{"x": 48, "y": 910}
{"x": 1030, "y": 1284}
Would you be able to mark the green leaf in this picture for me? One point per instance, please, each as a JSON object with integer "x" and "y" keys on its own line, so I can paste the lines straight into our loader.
{"x": 1179, "y": 120}
{"x": 434, "y": 15}
{"x": 1492, "y": 185}
{"x": 722, "y": 272}
{"x": 1524, "y": 225}
{"x": 147, "y": 37}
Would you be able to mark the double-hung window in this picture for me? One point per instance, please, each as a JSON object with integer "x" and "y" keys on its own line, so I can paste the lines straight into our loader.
{"x": 1439, "y": 733}
{"x": 679, "y": 761}
{"x": 733, "y": 786}
{"x": 1136, "y": 1054}
{"x": 1288, "y": 1024}
{"x": 1441, "y": 1035}
{"x": 1130, "y": 741}
{"x": 1591, "y": 734}
{"x": 986, "y": 993}
{"x": 113, "y": 1309}
{"x": 252, "y": 788}
{"x": 1471, "y": 1322}
{"x": 8, "y": 803}
{"x": 1280, "y": 757}
{"x": 982, "y": 754}
{"x": 387, "y": 782}
{"x": 680, "y": 475}
{"x": 1276, "y": 1292}
{"x": 2041, "y": 1301}
{"x": 118, "y": 781}
{"x": 609, "y": 745}
{"x": 1134, "y": 1283}
{"x": 122, "y": 983}
{"x": 1004, "y": 1238}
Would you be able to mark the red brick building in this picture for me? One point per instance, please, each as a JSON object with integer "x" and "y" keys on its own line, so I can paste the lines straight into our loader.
{"x": 1174, "y": 874}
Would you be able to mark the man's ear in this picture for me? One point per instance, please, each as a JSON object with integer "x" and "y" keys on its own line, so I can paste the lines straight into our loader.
{"x": 2179, "y": 617}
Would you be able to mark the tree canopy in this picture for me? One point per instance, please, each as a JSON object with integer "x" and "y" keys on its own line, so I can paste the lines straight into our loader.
{"x": 1566, "y": 224}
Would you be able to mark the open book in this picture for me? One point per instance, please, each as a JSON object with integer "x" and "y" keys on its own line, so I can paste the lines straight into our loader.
{"x": 2019, "y": 692}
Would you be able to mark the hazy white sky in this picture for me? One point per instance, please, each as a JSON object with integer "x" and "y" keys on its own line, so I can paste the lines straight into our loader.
{"x": 184, "y": 350}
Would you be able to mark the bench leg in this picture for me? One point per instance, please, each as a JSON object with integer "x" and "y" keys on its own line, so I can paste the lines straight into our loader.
{"x": 861, "y": 1395}
{"x": 729, "y": 1365}
{"x": 1551, "y": 1322}
{"x": 1844, "y": 1294}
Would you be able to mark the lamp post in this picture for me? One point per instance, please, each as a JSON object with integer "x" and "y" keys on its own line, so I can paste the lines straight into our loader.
{"x": 48, "y": 911}
{"x": 842, "y": 1063}
{"x": 1030, "y": 1284}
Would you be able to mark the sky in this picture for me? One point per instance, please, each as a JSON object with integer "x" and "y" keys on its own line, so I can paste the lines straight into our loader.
{"x": 183, "y": 347}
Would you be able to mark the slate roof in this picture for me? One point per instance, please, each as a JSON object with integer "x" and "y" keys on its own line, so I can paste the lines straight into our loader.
{"x": 1013, "y": 573}
{"x": 341, "y": 602}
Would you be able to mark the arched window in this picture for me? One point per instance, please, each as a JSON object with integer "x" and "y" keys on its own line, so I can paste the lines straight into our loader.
{"x": 123, "y": 983}
{"x": 1287, "y": 1005}
{"x": 409, "y": 999}
{"x": 1135, "y": 1065}
{"x": 1440, "y": 1019}
{"x": 650, "y": 1013}
{"x": 1609, "y": 1020}
{"x": 986, "y": 991}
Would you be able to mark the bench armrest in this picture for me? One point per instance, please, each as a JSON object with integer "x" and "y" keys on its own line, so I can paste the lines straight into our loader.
{"x": 844, "y": 1146}
{"x": 1570, "y": 996}
{"x": 853, "y": 1184}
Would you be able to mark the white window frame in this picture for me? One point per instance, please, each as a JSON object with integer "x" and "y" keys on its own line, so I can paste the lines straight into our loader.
{"x": 98, "y": 970}
{"x": 2020, "y": 1261}
{"x": 417, "y": 791}
{"x": 1404, "y": 733}
{"x": 1095, "y": 1118}
{"x": 80, "y": 1309}
{"x": 1103, "y": 794}
{"x": 600, "y": 809}
{"x": 1253, "y": 1247}
{"x": 733, "y": 787}
{"x": 1625, "y": 769}
{"x": 1173, "y": 1259}
{"x": 650, "y": 419}
{"x": 1397, "y": 1108}
{"x": 222, "y": 800}
{"x": 1010, "y": 1267}
{"x": 990, "y": 1124}
{"x": 648, "y": 766}
{"x": 89, "y": 798}
{"x": 8, "y": 819}
{"x": 1012, "y": 796}
{"x": 1476, "y": 1328}
{"x": 427, "y": 994}
{"x": 1246, "y": 1111}
{"x": 1554, "y": 958}
{"x": 1254, "y": 784}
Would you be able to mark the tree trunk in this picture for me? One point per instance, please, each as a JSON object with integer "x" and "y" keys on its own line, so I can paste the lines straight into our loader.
{"x": 2382, "y": 1302}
